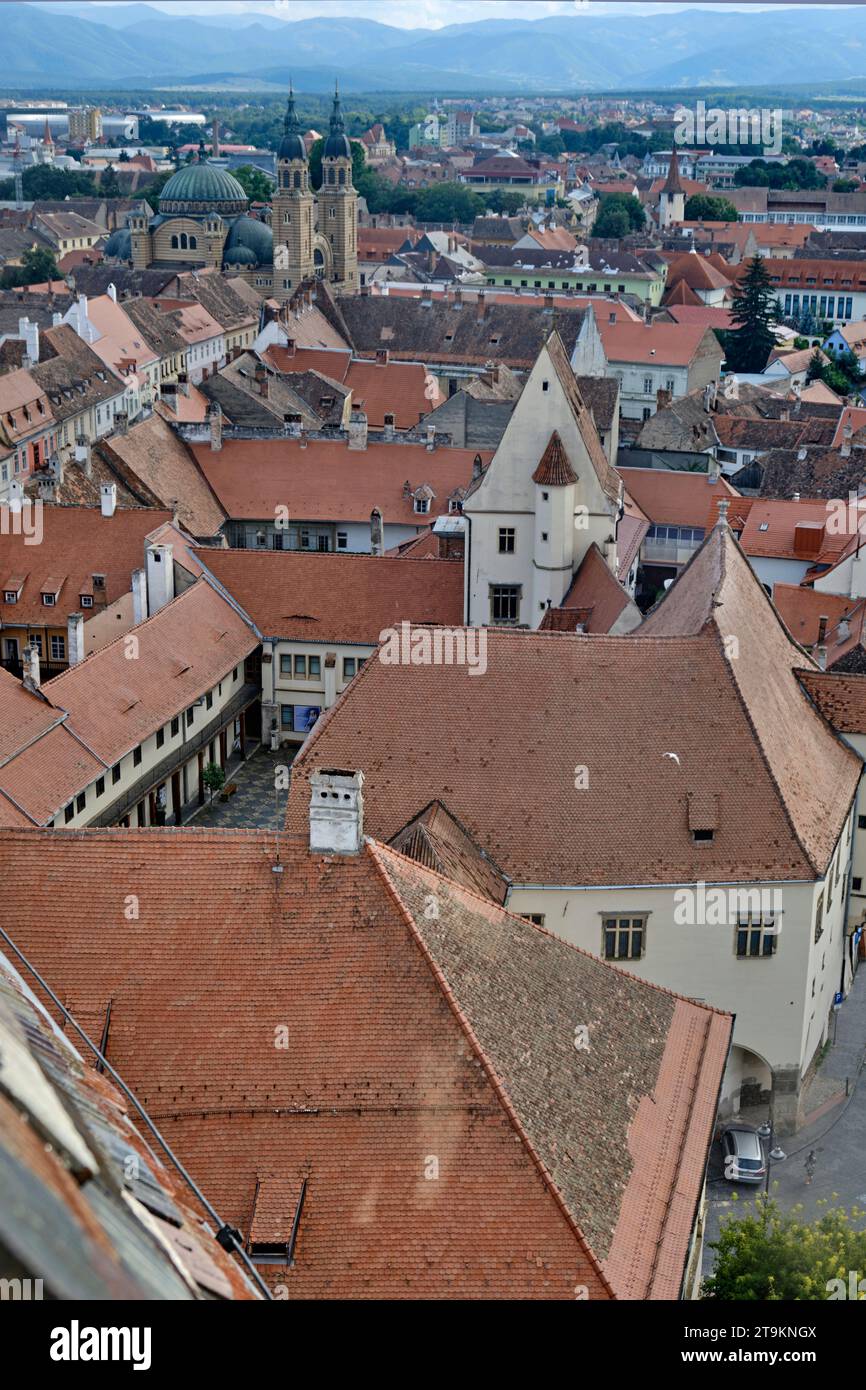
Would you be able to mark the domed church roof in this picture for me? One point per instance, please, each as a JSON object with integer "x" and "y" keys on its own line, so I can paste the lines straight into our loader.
{"x": 337, "y": 144}
{"x": 119, "y": 245}
{"x": 255, "y": 238}
{"x": 202, "y": 183}
{"x": 292, "y": 144}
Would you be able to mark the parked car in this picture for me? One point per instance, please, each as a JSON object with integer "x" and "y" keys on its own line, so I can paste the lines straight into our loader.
{"x": 743, "y": 1154}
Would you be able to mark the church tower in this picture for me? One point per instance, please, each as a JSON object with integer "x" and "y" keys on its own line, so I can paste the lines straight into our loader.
{"x": 672, "y": 199}
{"x": 293, "y": 216}
{"x": 338, "y": 205}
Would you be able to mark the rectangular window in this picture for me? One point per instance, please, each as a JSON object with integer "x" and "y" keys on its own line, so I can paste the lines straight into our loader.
{"x": 136, "y": 757}
{"x": 208, "y": 700}
{"x": 756, "y": 936}
{"x": 536, "y": 917}
{"x": 342, "y": 540}
{"x": 286, "y": 716}
{"x": 505, "y": 603}
{"x": 68, "y": 813}
{"x": 58, "y": 649}
{"x": 348, "y": 667}
{"x": 819, "y": 917}
{"x": 48, "y": 600}
{"x": 81, "y": 801}
{"x": 624, "y": 938}
{"x": 300, "y": 668}
{"x": 175, "y": 726}
{"x": 100, "y": 786}
{"x": 314, "y": 667}
{"x": 285, "y": 665}
{"x": 115, "y": 774}
{"x": 506, "y": 540}
{"x": 856, "y": 884}
{"x": 160, "y": 737}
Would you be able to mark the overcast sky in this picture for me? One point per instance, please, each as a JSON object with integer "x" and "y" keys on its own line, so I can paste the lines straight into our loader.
{"x": 433, "y": 14}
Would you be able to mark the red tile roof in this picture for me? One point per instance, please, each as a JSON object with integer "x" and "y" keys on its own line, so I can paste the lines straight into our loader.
{"x": 656, "y": 344}
{"x": 675, "y": 499}
{"x": 408, "y": 1057}
{"x": 595, "y": 594}
{"x": 337, "y": 598}
{"x": 554, "y": 467}
{"x": 324, "y": 480}
{"x": 77, "y": 542}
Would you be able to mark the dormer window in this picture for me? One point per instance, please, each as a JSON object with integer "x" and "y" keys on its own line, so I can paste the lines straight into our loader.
{"x": 764, "y": 526}
{"x": 422, "y": 504}
{"x": 86, "y": 600}
{"x": 10, "y": 596}
{"x": 703, "y": 816}
{"x": 48, "y": 600}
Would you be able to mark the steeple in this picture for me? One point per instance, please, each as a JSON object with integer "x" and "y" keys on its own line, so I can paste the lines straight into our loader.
{"x": 673, "y": 183}
{"x": 47, "y": 138}
{"x": 292, "y": 145}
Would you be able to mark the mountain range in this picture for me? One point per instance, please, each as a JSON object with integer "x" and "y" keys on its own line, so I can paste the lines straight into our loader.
{"x": 68, "y": 46}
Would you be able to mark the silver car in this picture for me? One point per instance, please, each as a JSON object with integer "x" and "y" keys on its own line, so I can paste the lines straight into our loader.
{"x": 743, "y": 1154}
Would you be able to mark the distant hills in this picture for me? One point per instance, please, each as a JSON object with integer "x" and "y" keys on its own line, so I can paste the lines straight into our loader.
{"x": 73, "y": 45}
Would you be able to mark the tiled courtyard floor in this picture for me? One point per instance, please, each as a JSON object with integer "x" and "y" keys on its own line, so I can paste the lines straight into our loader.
{"x": 256, "y": 804}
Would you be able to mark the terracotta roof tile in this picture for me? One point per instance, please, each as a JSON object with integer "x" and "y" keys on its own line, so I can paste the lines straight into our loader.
{"x": 554, "y": 467}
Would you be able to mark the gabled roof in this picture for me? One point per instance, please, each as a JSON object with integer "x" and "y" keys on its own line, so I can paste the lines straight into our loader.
{"x": 672, "y": 498}
{"x": 596, "y": 598}
{"x": 718, "y": 596}
{"x": 439, "y": 842}
{"x": 151, "y": 452}
{"x": 408, "y": 1040}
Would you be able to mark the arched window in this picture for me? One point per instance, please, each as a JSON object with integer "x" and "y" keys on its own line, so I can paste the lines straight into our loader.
{"x": 332, "y": 176}
{"x": 193, "y": 243}
{"x": 297, "y": 180}
{"x": 183, "y": 241}
{"x": 174, "y": 243}
{"x": 342, "y": 176}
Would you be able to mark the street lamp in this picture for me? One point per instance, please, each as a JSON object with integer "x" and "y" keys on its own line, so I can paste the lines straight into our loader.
{"x": 775, "y": 1153}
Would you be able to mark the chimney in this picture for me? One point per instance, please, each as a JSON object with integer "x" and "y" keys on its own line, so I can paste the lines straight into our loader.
{"x": 431, "y": 437}
{"x": 548, "y": 303}
{"x": 822, "y": 629}
{"x": 160, "y": 576}
{"x": 843, "y": 631}
{"x": 83, "y": 456}
{"x": 388, "y": 426}
{"x": 481, "y": 305}
{"x": 215, "y": 420}
{"x": 663, "y": 398}
{"x": 168, "y": 393}
{"x": 30, "y": 679}
{"x": 139, "y": 596}
{"x": 30, "y": 333}
{"x": 290, "y": 347}
{"x": 610, "y": 554}
{"x": 796, "y": 497}
{"x": 108, "y": 498}
{"x": 183, "y": 383}
{"x": 261, "y": 377}
{"x": 381, "y": 357}
{"x": 336, "y": 812}
{"x": 458, "y": 298}
{"x": 476, "y": 466}
{"x": 847, "y": 432}
{"x": 377, "y": 543}
{"x": 820, "y": 655}
{"x": 75, "y": 638}
{"x": 112, "y": 293}
{"x": 358, "y": 430}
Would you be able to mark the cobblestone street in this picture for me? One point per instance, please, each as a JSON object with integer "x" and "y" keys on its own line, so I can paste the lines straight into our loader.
{"x": 256, "y": 804}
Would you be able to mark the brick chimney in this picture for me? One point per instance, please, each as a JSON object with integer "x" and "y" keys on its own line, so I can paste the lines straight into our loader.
{"x": 481, "y": 305}
{"x": 336, "y": 811}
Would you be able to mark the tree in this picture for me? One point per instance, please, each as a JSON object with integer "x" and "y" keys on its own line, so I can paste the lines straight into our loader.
{"x": 552, "y": 144}
{"x": 753, "y": 312}
{"x": 109, "y": 183}
{"x": 505, "y": 202}
{"x": 619, "y": 214}
{"x": 44, "y": 181}
{"x": 815, "y": 369}
{"x": 771, "y": 1255}
{"x": 845, "y": 185}
{"x": 154, "y": 188}
{"x": 213, "y": 778}
{"x": 256, "y": 184}
{"x": 703, "y": 208}
{"x": 37, "y": 266}
{"x": 448, "y": 202}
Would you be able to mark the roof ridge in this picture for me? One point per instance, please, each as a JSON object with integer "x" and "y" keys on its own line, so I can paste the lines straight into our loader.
{"x": 373, "y": 848}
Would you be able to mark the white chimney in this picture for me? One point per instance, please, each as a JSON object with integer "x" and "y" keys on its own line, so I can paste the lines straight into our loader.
{"x": 215, "y": 420}
{"x": 30, "y": 333}
{"x": 82, "y": 455}
{"x": 108, "y": 498}
{"x": 377, "y": 542}
{"x": 139, "y": 596}
{"x": 30, "y": 678}
{"x": 16, "y": 495}
{"x": 160, "y": 577}
{"x": 358, "y": 430}
{"x": 336, "y": 812}
{"x": 75, "y": 638}
{"x": 112, "y": 293}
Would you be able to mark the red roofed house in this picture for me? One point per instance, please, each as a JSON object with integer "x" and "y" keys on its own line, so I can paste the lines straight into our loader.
{"x": 322, "y": 615}
{"x": 616, "y": 831}
{"x": 435, "y": 1128}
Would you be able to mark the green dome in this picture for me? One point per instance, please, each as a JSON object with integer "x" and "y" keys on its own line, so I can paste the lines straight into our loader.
{"x": 239, "y": 255}
{"x": 249, "y": 235}
{"x": 202, "y": 184}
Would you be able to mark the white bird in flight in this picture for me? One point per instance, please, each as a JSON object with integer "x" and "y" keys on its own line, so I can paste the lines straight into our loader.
{"x": 675, "y": 756}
